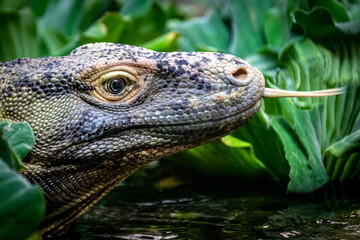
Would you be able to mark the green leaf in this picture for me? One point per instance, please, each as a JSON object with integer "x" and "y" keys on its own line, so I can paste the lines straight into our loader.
{"x": 6, "y": 154}
{"x": 62, "y": 21}
{"x": 141, "y": 28}
{"x": 165, "y": 43}
{"x": 35, "y": 236}
{"x": 338, "y": 9}
{"x": 337, "y": 62}
{"x": 307, "y": 172}
{"x": 136, "y": 8}
{"x": 229, "y": 156}
{"x": 326, "y": 120}
{"x": 18, "y": 36}
{"x": 21, "y": 205}
{"x": 247, "y": 25}
{"x": 233, "y": 142}
{"x": 12, "y": 5}
{"x": 16, "y": 141}
{"x": 266, "y": 143}
{"x": 320, "y": 22}
{"x": 107, "y": 29}
{"x": 201, "y": 32}
{"x": 342, "y": 158}
{"x": 346, "y": 146}
{"x": 275, "y": 27}
{"x": 71, "y": 16}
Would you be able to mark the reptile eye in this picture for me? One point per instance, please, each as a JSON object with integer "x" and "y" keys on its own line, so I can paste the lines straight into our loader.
{"x": 114, "y": 86}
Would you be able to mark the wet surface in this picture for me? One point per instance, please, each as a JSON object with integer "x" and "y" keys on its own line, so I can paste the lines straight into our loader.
{"x": 220, "y": 209}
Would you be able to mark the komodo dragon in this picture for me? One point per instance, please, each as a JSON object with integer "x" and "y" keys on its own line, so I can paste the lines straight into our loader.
{"x": 107, "y": 109}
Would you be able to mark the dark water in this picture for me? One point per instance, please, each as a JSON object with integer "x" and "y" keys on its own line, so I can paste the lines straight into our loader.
{"x": 211, "y": 208}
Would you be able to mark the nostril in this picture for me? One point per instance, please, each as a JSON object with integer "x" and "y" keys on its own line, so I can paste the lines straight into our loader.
{"x": 240, "y": 74}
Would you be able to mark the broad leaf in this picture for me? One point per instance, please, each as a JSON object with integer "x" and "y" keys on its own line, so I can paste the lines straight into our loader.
{"x": 63, "y": 20}
{"x": 307, "y": 172}
{"x": 247, "y": 25}
{"x": 21, "y": 205}
{"x": 321, "y": 22}
{"x": 163, "y": 43}
{"x": 202, "y": 32}
{"x": 136, "y": 8}
{"x": 144, "y": 26}
{"x": 228, "y": 156}
{"x": 107, "y": 29}
{"x": 16, "y": 140}
{"x": 266, "y": 143}
{"x": 18, "y": 36}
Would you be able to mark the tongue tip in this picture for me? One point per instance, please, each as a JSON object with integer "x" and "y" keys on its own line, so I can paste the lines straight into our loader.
{"x": 274, "y": 93}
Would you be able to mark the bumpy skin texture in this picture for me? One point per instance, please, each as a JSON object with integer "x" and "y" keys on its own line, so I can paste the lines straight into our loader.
{"x": 88, "y": 140}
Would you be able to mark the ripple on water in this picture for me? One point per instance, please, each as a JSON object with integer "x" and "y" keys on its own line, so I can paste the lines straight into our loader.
{"x": 219, "y": 210}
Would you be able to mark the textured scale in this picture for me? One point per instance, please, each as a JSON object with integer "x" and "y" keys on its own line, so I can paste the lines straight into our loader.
{"x": 86, "y": 145}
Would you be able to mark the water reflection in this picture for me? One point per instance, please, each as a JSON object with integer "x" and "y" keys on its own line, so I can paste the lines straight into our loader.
{"x": 220, "y": 209}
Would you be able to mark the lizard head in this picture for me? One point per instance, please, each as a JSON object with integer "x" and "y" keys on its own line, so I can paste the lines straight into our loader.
{"x": 106, "y": 109}
{"x": 112, "y": 101}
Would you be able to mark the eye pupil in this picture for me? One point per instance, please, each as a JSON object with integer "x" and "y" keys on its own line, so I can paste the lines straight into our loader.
{"x": 115, "y": 86}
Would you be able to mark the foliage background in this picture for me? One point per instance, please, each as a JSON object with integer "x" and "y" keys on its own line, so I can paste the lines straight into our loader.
{"x": 298, "y": 45}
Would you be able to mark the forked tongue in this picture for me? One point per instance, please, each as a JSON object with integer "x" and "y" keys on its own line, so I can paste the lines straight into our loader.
{"x": 275, "y": 93}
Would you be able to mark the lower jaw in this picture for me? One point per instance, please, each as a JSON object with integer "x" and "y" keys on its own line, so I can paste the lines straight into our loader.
{"x": 177, "y": 135}
{"x": 209, "y": 130}
{"x": 190, "y": 136}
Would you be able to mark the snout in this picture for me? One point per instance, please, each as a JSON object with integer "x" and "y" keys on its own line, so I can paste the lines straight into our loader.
{"x": 245, "y": 74}
{"x": 229, "y": 71}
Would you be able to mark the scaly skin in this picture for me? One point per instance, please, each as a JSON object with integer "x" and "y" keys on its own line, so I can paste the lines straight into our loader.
{"x": 89, "y": 139}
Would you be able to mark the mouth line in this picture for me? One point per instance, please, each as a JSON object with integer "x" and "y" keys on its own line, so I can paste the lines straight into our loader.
{"x": 228, "y": 124}
{"x": 213, "y": 129}
{"x": 228, "y": 118}
{"x": 228, "y": 121}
